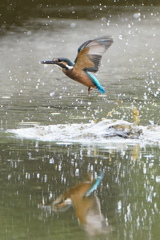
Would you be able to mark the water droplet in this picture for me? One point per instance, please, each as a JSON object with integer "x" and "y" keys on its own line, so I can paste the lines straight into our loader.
{"x": 136, "y": 15}
{"x": 73, "y": 25}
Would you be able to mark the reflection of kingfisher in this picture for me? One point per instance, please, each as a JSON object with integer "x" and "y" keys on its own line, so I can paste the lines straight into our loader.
{"x": 86, "y": 205}
{"x": 80, "y": 191}
{"x": 87, "y": 60}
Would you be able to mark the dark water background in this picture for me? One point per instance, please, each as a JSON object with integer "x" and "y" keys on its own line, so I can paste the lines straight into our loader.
{"x": 31, "y": 93}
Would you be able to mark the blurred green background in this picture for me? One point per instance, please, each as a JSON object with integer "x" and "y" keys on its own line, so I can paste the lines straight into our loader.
{"x": 15, "y": 12}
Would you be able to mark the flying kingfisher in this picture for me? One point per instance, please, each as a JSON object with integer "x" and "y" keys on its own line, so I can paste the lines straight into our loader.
{"x": 87, "y": 60}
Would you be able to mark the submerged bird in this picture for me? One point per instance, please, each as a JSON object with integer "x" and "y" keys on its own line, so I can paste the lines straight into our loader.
{"x": 87, "y": 60}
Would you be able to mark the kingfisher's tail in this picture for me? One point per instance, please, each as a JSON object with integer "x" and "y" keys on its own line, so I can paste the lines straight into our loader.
{"x": 101, "y": 89}
{"x": 95, "y": 184}
{"x": 96, "y": 82}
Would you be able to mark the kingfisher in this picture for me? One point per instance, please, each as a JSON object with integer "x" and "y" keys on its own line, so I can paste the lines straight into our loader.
{"x": 85, "y": 203}
{"x": 77, "y": 193}
{"x": 87, "y": 60}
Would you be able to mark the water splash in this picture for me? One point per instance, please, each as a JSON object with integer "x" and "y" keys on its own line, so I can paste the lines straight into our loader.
{"x": 104, "y": 131}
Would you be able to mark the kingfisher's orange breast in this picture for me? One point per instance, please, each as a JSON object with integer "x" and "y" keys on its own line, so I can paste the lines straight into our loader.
{"x": 78, "y": 191}
{"x": 80, "y": 76}
{"x": 81, "y": 204}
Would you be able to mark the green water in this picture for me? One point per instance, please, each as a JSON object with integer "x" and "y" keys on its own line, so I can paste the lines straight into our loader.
{"x": 33, "y": 170}
{"x": 129, "y": 193}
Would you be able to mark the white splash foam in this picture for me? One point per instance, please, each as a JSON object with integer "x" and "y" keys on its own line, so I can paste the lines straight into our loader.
{"x": 101, "y": 132}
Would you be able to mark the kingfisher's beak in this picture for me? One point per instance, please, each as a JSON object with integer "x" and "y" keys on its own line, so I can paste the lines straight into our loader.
{"x": 54, "y": 61}
{"x": 49, "y": 62}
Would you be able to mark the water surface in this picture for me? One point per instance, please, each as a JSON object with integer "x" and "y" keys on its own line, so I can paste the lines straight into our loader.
{"x": 33, "y": 94}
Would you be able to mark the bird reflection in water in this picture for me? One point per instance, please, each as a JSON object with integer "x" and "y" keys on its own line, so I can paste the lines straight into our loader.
{"x": 86, "y": 204}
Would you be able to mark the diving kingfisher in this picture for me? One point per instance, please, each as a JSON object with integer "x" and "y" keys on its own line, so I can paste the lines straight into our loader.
{"x": 87, "y": 60}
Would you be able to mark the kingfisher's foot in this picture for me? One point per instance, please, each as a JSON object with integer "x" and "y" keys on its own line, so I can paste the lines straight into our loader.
{"x": 89, "y": 90}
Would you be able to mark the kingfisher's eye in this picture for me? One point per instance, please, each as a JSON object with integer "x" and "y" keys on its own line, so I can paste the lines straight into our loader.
{"x": 56, "y": 60}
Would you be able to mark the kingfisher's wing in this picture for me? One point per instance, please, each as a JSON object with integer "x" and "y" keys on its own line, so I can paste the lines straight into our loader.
{"x": 90, "y": 53}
